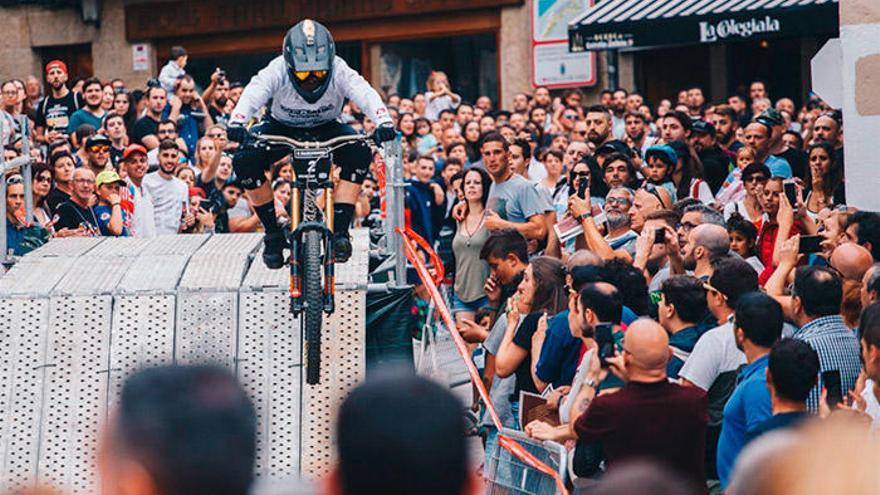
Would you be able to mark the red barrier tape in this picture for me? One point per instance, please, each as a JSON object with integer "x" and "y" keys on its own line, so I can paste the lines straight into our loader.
{"x": 433, "y": 257}
{"x": 508, "y": 443}
{"x": 380, "y": 181}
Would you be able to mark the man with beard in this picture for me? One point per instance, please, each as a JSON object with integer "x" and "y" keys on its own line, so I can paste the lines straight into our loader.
{"x": 636, "y": 132}
{"x": 618, "y": 109}
{"x": 514, "y": 201}
{"x": 829, "y": 128}
{"x": 619, "y": 234}
{"x": 675, "y": 126}
{"x": 98, "y": 153}
{"x": 170, "y": 195}
{"x": 146, "y": 128}
{"x": 598, "y": 122}
{"x": 706, "y": 243}
{"x": 716, "y": 163}
{"x": 54, "y": 111}
{"x": 520, "y": 103}
{"x": 797, "y": 159}
{"x": 726, "y": 123}
{"x": 542, "y": 98}
{"x": 695, "y": 102}
{"x": 738, "y": 104}
{"x": 758, "y": 137}
{"x": 217, "y": 95}
{"x": 91, "y": 113}
{"x": 190, "y": 112}
{"x": 657, "y": 252}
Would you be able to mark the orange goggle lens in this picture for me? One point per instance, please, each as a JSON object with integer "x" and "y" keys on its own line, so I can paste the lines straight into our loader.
{"x": 302, "y": 75}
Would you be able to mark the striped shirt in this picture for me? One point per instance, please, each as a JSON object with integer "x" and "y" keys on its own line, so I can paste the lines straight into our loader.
{"x": 838, "y": 349}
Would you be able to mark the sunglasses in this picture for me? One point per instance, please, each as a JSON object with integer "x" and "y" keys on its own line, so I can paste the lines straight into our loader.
{"x": 756, "y": 178}
{"x": 100, "y": 148}
{"x": 302, "y": 75}
{"x": 43, "y": 178}
{"x": 710, "y": 288}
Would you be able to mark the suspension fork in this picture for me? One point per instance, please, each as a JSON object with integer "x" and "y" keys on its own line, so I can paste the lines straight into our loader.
{"x": 295, "y": 269}
{"x": 329, "y": 275}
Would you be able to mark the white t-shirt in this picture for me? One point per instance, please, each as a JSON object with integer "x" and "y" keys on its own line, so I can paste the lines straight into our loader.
{"x": 437, "y": 105}
{"x": 715, "y": 353}
{"x": 169, "y": 197}
{"x": 872, "y": 408}
{"x": 143, "y": 221}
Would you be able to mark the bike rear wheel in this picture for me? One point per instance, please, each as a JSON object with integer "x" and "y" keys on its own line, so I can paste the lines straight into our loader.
{"x": 313, "y": 303}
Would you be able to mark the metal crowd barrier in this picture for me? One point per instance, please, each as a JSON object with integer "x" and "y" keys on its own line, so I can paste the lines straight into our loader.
{"x": 507, "y": 474}
{"x": 24, "y": 162}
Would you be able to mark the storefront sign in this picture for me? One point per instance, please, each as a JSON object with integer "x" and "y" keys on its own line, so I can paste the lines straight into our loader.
{"x": 730, "y": 28}
{"x": 140, "y": 57}
{"x": 553, "y": 65}
{"x": 631, "y": 31}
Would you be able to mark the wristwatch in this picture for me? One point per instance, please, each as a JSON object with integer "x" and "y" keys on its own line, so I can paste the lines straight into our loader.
{"x": 590, "y": 383}
{"x": 585, "y": 216}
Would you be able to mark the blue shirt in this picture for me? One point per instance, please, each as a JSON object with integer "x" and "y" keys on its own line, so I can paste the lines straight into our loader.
{"x": 102, "y": 214}
{"x": 779, "y": 167}
{"x": 748, "y": 407}
{"x": 560, "y": 352}
{"x": 187, "y": 127}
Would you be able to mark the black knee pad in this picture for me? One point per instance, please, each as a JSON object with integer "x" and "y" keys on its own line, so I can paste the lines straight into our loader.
{"x": 250, "y": 167}
{"x": 354, "y": 162}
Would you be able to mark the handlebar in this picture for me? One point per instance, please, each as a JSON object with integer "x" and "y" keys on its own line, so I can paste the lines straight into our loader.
{"x": 331, "y": 143}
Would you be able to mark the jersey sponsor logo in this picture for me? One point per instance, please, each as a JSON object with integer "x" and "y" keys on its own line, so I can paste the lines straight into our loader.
{"x": 305, "y": 113}
{"x": 105, "y": 216}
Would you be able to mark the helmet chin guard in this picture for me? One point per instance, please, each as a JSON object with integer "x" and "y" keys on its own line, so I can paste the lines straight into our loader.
{"x": 309, "y": 52}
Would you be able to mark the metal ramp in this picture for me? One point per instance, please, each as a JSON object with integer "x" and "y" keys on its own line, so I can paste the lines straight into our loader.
{"x": 77, "y": 316}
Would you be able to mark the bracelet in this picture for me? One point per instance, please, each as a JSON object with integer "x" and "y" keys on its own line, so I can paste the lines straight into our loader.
{"x": 114, "y": 204}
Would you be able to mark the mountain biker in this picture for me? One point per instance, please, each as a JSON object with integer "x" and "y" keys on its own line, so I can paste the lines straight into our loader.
{"x": 305, "y": 87}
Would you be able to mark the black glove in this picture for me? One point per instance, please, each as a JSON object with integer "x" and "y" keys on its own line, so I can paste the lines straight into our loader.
{"x": 384, "y": 132}
{"x": 238, "y": 134}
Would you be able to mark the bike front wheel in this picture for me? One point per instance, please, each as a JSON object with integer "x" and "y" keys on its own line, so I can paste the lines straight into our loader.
{"x": 313, "y": 302}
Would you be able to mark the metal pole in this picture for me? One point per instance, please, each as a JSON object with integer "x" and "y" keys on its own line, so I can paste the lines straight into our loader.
{"x": 394, "y": 200}
{"x": 613, "y": 77}
{"x": 26, "y": 174}
{"x": 3, "y": 205}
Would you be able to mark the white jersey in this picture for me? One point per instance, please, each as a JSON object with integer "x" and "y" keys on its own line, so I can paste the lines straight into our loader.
{"x": 288, "y": 107}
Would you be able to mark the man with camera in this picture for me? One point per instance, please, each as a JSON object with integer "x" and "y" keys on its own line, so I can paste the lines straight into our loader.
{"x": 216, "y": 95}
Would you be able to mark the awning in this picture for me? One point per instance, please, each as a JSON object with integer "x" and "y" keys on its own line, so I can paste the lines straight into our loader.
{"x": 611, "y": 24}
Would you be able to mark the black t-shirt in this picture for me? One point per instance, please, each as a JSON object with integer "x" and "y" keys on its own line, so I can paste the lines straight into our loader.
{"x": 798, "y": 161}
{"x": 144, "y": 126}
{"x": 523, "y": 339}
{"x": 55, "y": 198}
{"x": 71, "y": 215}
{"x": 716, "y": 167}
{"x": 54, "y": 113}
{"x": 116, "y": 156}
{"x": 218, "y": 116}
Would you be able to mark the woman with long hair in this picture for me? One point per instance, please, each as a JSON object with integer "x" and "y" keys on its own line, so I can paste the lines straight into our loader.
{"x": 471, "y": 234}
{"x": 406, "y": 124}
{"x": 824, "y": 179}
{"x": 555, "y": 183}
{"x": 108, "y": 94}
{"x": 42, "y": 175}
{"x": 540, "y": 295}
{"x": 206, "y": 148}
{"x": 123, "y": 104}
{"x": 471, "y": 133}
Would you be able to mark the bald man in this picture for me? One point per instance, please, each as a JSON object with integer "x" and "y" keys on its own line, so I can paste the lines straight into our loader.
{"x": 645, "y": 202}
{"x": 649, "y": 418}
{"x": 705, "y": 244}
{"x": 851, "y": 261}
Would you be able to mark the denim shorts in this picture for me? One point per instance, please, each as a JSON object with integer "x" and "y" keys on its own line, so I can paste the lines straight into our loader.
{"x": 458, "y": 305}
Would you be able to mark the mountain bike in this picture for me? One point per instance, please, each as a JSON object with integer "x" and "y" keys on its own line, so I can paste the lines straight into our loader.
{"x": 310, "y": 236}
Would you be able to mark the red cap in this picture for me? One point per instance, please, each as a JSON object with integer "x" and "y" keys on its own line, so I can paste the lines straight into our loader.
{"x": 56, "y": 64}
{"x": 133, "y": 148}
{"x": 197, "y": 191}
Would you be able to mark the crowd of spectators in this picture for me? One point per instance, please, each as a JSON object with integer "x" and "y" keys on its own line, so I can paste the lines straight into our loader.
{"x": 710, "y": 240}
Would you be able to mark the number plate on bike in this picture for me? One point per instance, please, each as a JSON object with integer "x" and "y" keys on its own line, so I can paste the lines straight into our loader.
{"x": 312, "y": 165}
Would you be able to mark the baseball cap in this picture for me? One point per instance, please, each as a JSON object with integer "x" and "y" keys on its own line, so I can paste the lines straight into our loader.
{"x": 663, "y": 152}
{"x": 703, "y": 127}
{"x": 614, "y": 146}
{"x": 56, "y": 64}
{"x": 108, "y": 177}
{"x": 133, "y": 148}
{"x": 770, "y": 117}
{"x": 97, "y": 139}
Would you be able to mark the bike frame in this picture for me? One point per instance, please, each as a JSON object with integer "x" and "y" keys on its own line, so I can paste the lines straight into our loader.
{"x": 311, "y": 159}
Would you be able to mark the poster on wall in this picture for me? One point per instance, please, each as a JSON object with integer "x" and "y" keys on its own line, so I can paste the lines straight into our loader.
{"x": 552, "y": 64}
{"x": 140, "y": 57}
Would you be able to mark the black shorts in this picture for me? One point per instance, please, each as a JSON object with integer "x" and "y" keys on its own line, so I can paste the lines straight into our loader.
{"x": 251, "y": 163}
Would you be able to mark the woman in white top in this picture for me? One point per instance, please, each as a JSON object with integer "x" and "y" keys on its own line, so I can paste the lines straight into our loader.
{"x": 439, "y": 96}
{"x": 555, "y": 183}
{"x": 754, "y": 177}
